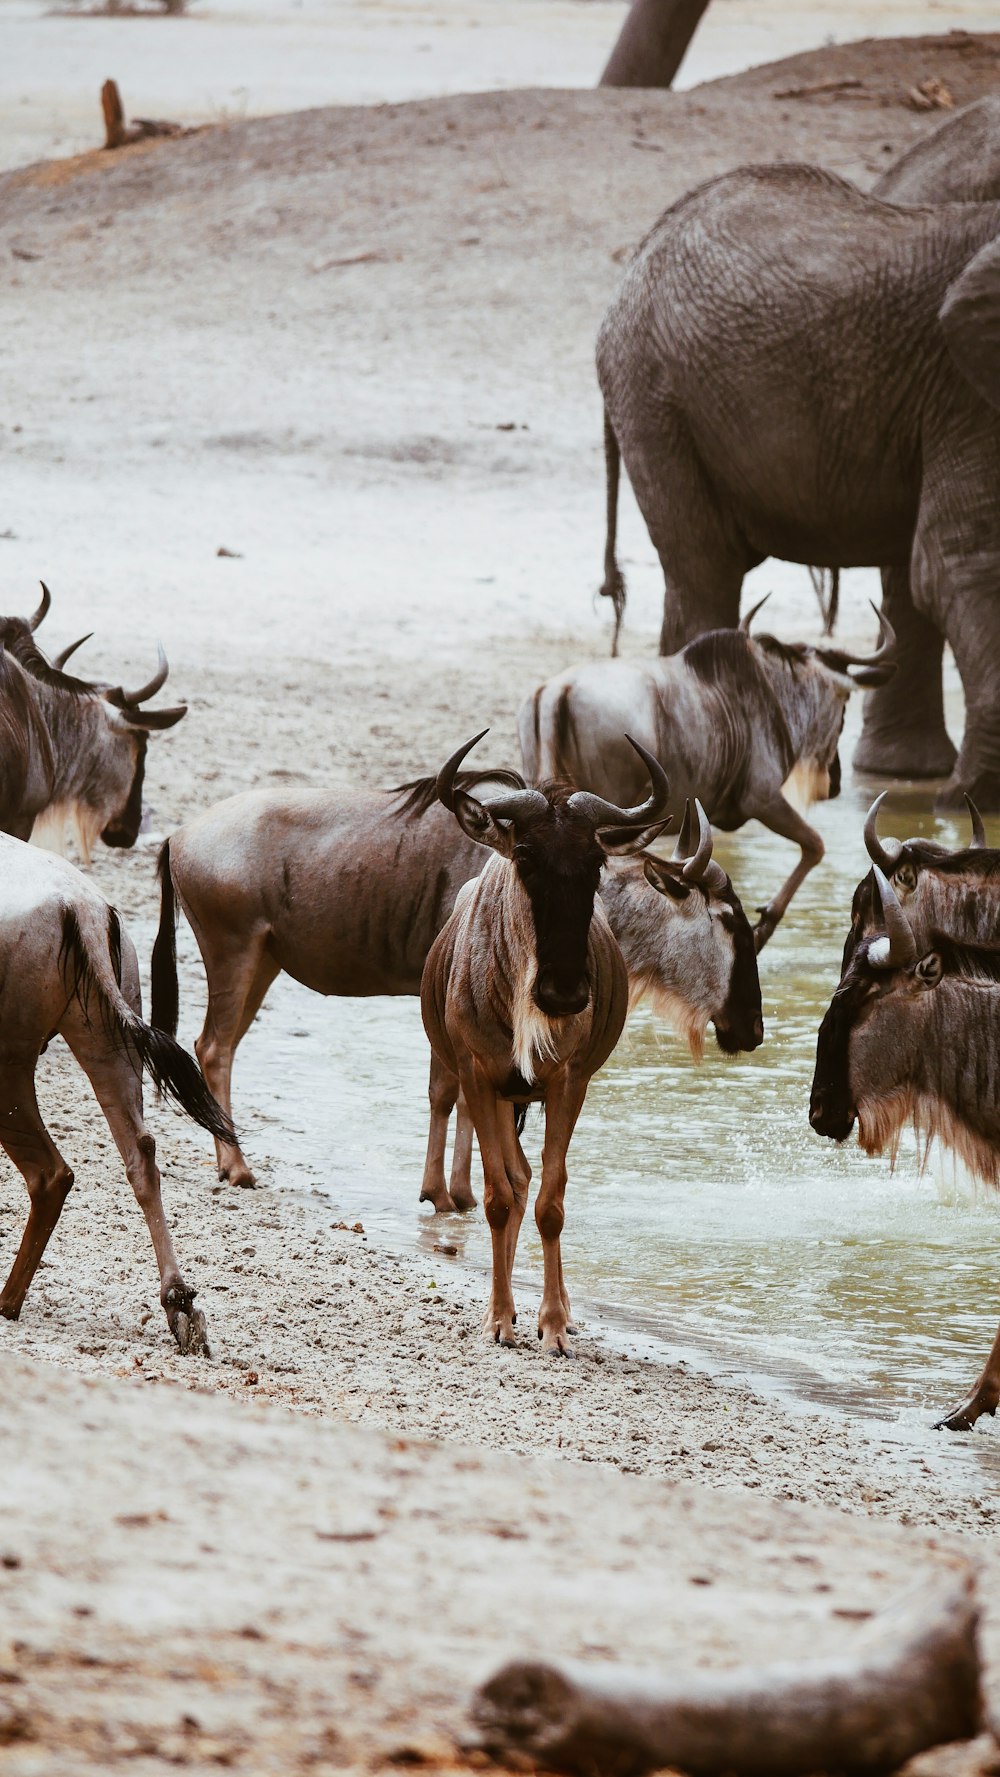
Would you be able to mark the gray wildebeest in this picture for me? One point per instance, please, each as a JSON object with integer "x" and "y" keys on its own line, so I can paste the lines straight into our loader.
{"x": 72, "y": 753}
{"x": 795, "y": 368}
{"x": 731, "y": 718}
{"x": 68, "y": 968}
{"x": 524, "y": 996}
{"x": 912, "y": 1036}
{"x": 345, "y": 890}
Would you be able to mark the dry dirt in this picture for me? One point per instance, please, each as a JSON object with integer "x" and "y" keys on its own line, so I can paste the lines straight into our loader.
{"x": 354, "y": 347}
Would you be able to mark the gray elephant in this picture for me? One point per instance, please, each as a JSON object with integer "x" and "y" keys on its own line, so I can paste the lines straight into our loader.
{"x": 794, "y": 368}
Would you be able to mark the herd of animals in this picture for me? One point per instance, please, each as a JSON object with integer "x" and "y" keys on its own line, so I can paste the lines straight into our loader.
{"x": 790, "y": 368}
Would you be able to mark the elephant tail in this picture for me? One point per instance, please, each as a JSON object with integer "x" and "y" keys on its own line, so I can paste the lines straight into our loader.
{"x": 613, "y": 587}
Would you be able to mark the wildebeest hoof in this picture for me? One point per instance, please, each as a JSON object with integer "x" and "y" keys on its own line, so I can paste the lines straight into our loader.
{"x": 240, "y": 1177}
{"x": 190, "y": 1332}
{"x": 964, "y": 1416}
{"x": 463, "y": 1204}
{"x": 555, "y": 1341}
{"x": 500, "y": 1328}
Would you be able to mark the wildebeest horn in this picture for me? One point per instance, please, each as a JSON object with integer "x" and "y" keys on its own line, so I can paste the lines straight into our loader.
{"x": 694, "y": 864}
{"x": 608, "y": 814}
{"x": 508, "y": 805}
{"x": 902, "y": 944}
{"x": 746, "y": 621}
{"x": 880, "y": 855}
{"x": 43, "y": 609}
{"x": 145, "y": 692}
{"x": 978, "y": 830}
{"x": 840, "y": 660}
{"x": 59, "y": 660}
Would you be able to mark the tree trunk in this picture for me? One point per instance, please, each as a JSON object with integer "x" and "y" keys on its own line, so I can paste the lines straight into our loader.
{"x": 653, "y": 42}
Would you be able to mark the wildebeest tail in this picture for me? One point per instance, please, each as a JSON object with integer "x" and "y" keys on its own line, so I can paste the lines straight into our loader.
{"x": 92, "y": 971}
{"x": 613, "y": 587}
{"x": 163, "y": 969}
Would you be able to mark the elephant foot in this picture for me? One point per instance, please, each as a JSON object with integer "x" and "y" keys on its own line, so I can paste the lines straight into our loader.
{"x": 982, "y": 786}
{"x": 911, "y": 752}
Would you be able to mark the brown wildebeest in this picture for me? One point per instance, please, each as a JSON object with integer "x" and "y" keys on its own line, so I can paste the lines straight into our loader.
{"x": 732, "y": 718}
{"x": 912, "y": 1036}
{"x": 68, "y": 967}
{"x": 524, "y": 996}
{"x": 346, "y": 890}
{"x": 72, "y": 754}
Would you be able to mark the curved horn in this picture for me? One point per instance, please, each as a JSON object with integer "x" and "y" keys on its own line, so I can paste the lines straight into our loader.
{"x": 746, "y": 621}
{"x": 43, "y": 609}
{"x": 978, "y": 841}
{"x": 880, "y": 855}
{"x": 449, "y": 771}
{"x": 696, "y": 865}
{"x": 902, "y": 944}
{"x": 840, "y": 660}
{"x": 59, "y": 660}
{"x": 608, "y": 814}
{"x": 153, "y": 685}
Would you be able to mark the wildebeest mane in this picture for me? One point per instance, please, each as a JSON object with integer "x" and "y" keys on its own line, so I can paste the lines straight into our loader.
{"x": 718, "y": 652}
{"x": 19, "y": 642}
{"x": 967, "y": 961}
{"x": 420, "y": 795}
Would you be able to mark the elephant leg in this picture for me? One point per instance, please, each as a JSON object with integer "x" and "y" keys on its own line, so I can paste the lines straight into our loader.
{"x": 702, "y": 552}
{"x": 904, "y": 733}
{"x": 972, "y": 626}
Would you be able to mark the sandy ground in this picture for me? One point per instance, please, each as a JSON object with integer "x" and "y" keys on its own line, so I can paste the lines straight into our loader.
{"x": 346, "y": 344}
{"x": 239, "y": 58}
{"x": 265, "y": 1595}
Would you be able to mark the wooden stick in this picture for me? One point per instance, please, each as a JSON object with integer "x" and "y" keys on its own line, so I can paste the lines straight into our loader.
{"x": 819, "y": 86}
{"x": 910, "y": 1681}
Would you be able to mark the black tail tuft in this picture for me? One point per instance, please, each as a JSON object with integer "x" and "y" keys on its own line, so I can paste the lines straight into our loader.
{"x": 520, "y": 1118}
{"x": 165, "y": 999}
{"x": 176, "y": 1075}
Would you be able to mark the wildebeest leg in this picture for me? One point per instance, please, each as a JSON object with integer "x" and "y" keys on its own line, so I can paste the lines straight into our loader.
{"x": 442, "y": 1091}
{"x": 784, "y": 820}
{"x": 563, "y": 1102}
{"x": 983, "y": 1396}
{"x": 498, "y": 1196}
{"x": 239, "y": 975}
{"x": 519, "y": 1175}
{"x": 43, "y": 1169}
{"x": 118, "y": 1089}
{"x": 904, "y": 733}
{"x": 461, "y": 1159}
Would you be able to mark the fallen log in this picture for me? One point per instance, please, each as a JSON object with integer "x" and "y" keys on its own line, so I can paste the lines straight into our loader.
{"x": 909, "y": 1682}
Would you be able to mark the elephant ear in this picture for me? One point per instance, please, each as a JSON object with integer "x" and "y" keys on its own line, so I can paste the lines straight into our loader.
{"x": 970, "y": 321}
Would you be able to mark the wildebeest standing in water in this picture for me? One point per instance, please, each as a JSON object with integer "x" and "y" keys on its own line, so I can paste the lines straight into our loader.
{"x": 731, "y": 718}
{"x": 524, "y": 996}
{"x": 68, "y": 967}
{"x": 71, "y": 753}
{"x": 345, "y": 890}
{"x": 912, "y": 1036}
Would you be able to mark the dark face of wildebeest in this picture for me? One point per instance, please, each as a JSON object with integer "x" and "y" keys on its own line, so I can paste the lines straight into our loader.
{"x": 557, "y": 839}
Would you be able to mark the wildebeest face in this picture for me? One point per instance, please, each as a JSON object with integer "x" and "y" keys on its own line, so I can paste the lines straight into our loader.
{"x": 121, "y": 788}
{"x": 559, "y": 862}
{"x": 704, "y": 947}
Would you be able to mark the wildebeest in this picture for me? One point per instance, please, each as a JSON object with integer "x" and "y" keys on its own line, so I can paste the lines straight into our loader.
{"x": 912, "y": 1036}
{"x": 687, "y": 948}
{"x": 72, "y": 753}
{"x": 731, "y": 718}
{"x": 939, "y": 890}
{"x": 68, "y": 967}
{"x": 345, "y": 890}
{"x": 524, "y": 996}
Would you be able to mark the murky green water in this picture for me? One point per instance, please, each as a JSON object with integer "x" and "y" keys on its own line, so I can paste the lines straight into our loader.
{"x": 699, "y": 1198}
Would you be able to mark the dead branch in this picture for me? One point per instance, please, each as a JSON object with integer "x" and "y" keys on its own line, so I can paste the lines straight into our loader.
{"x": 909, "y": 1682}
{"x": 118, "y": 133}
{"x": 819, "y": 86}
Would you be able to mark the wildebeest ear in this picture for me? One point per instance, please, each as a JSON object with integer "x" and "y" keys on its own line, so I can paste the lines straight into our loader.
{"x": 930, "y": 968}
{"x": 970, "y": 322}
{"x": 660, "y": 876}
{"x": 625, "y": 842}
{"x": 149, "y": 719}
{"x": 477, "y": 823}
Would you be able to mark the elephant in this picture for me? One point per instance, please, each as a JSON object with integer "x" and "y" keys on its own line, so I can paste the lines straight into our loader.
{"x": 795, "y": 368}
